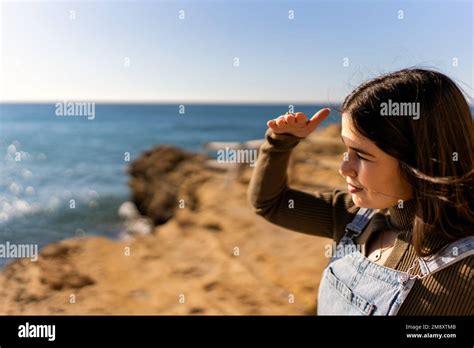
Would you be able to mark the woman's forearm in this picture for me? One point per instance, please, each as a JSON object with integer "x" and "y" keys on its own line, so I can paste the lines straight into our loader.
{"x": 270, "y": 196}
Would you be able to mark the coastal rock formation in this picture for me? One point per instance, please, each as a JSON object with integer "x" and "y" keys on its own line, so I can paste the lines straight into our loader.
{"x": 161, "y": 177}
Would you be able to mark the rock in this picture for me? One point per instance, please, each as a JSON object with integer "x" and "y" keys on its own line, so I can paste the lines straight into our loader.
{"x": 164, "y": 177}
{"x": 57, "y": 250}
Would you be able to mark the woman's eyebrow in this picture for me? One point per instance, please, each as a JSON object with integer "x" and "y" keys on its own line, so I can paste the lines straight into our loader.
{"x": 357, "y": 149}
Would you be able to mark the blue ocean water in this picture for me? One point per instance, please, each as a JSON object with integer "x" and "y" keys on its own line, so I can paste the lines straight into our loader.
{"x": 75, "y": 158}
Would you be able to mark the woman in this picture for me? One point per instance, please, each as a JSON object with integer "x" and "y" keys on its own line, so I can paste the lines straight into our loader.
{"x": 406, "y": 225}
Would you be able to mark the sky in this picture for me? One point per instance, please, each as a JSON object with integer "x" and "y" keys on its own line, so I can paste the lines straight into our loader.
{"x": 224, "y": 51}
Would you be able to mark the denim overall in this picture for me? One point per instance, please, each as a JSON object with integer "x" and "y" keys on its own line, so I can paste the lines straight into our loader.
{"x": 351, "y": 284}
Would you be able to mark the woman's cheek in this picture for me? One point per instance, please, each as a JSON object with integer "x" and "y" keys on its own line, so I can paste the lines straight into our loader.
{"x": 381, "y": 177}
{"x": 366, "y": 174}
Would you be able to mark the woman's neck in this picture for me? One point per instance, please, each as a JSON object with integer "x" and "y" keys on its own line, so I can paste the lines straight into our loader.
{"x": 400, "y": 217}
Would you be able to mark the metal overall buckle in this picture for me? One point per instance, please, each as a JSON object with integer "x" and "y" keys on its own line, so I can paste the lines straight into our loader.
{"x": 409, "y": 275}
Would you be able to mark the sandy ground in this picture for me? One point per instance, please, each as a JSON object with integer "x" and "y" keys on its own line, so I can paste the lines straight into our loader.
{"x": 217, "y": 258}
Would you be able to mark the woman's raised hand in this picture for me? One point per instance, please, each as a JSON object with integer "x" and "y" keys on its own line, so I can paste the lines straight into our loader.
{"x": 297, "y": 124}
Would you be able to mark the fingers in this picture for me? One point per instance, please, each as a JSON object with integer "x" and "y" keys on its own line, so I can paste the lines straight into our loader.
{"x": 319, "y": 117}
{"x": 298, "y": 120}
{"x": 292, "y": 120}
{"x": 281, "y": 121}
{"x": 277, "y": 124}
{"x": 272, "y": 124}
{"x": 301, "y": 120}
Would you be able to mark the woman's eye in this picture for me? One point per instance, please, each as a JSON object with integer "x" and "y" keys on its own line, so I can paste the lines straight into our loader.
{"x": 362, "y": 158}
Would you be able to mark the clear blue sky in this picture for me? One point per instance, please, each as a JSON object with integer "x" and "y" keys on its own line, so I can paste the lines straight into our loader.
{"x": 47, "y": 56}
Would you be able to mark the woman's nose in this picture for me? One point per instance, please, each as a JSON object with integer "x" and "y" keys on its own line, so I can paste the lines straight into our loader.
{"x": 346, "y": 168}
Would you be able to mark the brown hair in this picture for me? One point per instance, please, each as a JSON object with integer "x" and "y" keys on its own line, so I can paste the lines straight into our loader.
{"x": 434, "y": 150}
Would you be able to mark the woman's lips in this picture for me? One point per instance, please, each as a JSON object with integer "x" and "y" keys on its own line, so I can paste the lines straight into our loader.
{"x": 353, "y": 189}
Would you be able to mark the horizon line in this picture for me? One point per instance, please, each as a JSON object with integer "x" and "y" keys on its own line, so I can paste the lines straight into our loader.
{"x": 178, "y": 102}
{"x": 168, "y": 102}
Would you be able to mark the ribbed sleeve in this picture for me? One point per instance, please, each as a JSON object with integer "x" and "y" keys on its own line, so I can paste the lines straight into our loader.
{"x": 319, "y": 214}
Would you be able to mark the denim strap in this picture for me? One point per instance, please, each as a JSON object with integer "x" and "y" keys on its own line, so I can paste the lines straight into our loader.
{"x": 450, "y": 254}
{"x": 362, "y": 218}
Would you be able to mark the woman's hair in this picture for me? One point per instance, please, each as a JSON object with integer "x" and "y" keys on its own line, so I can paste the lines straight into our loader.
{"x": 434, "y": 147}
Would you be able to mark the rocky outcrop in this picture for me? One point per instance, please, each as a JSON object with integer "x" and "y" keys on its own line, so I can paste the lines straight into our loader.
{"x": 162, "y": 177}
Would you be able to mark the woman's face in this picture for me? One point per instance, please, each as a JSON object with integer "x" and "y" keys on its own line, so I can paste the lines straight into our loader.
{"x": 375, "y": 175}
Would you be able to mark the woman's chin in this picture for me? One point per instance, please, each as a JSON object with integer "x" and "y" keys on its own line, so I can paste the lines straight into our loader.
{"x": 359, "y": 199}
{"x": 363, "y": 201}
{"x": 356, "y": 199}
